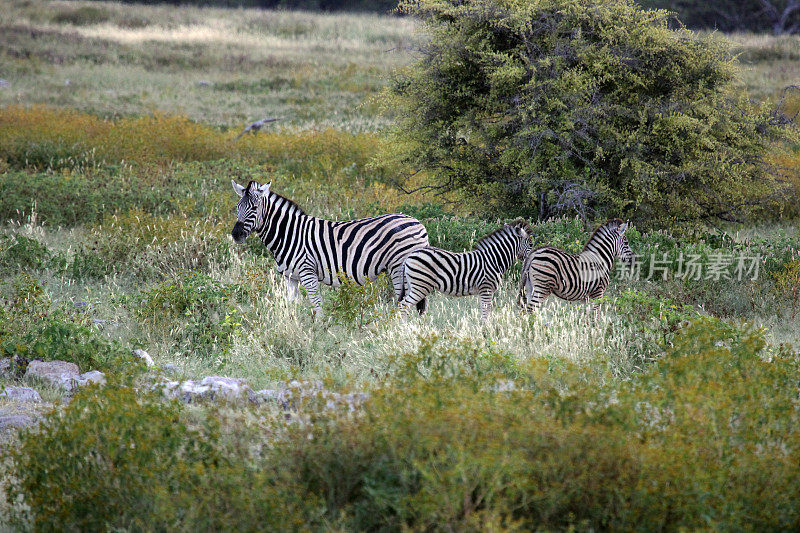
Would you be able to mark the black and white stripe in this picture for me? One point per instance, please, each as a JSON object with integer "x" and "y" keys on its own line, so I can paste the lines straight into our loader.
{"x": 311, "y": 250}
{"x": 468, "y": 273}
{"x": 583, "y": 277}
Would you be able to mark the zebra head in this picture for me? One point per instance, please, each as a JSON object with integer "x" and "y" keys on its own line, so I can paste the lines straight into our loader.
{"x": 524, "y": 244}
{"x": 624, "y": 250}
{"x": 521, "y": 231}
{"x": 247, "y": 209}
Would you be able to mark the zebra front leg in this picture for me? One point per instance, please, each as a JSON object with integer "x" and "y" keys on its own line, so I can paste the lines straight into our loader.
{"x": 595, "y": 306}
{"x": 310, "y": 281}
{"x": 486, "y": 296}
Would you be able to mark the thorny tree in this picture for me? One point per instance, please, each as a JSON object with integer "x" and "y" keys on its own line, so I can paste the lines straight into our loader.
{"x": 594, "y": 106}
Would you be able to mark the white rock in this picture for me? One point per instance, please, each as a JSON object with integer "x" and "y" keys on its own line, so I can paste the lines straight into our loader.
{"x": 15, "y": 421}
{"x": 20, "y": 394}
{"x": 224, "y": 387}
{"x": 58, "y": 373}
{"x": 264, "y": 396}
{"x": 95, "y": 376}
{"x": 209, "y": 388}
{"x": 141, "y": 354}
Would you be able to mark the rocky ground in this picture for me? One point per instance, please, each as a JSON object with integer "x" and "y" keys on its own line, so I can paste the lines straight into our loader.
{"x": 27, "y": 395}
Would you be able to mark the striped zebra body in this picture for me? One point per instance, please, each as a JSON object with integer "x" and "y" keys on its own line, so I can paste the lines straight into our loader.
{"x": 310, "y": 250}
{"x": 574, "y": 277}
{"x": 468, "y": 273}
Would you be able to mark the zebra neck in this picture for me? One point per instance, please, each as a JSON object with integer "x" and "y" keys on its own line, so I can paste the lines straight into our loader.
{"x": 597, "y": 257}
{"x": 281, "y": 232}
{"x": 500, "y": 254}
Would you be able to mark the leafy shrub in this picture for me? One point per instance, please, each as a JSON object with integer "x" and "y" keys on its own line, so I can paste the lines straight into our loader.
{"x": 57, "y": 335}
{"x": 197, "y": 310}
{"x": 21, "y": 252}
{"x": 99, "y": 194}
{"x": 444, "y": 445}
{"x": 526, "y": 108}
{"x": 787, "y": 284}
{"x": 458, "y": 436}
{"x": 86, "y": 264}
{"x": 356, "y": 305}
{"x": 115, "y": 460}
{"x": 661, "y": 315}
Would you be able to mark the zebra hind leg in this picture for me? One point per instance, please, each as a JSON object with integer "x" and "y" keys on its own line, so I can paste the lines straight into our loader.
{"x": 422, "y": 306}
{"x": 292, "y": 289}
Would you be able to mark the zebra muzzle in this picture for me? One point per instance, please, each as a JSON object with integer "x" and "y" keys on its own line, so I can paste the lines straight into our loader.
{"x": 238, "y": 233}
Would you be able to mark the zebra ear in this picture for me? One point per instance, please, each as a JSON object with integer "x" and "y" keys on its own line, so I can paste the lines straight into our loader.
{"x": 623, "y": 228}
{"x": 264, "y": 188}
{"x": 237, "y": 188}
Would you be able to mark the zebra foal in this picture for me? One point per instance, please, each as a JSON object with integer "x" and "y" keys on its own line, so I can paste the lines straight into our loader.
{"x": 573, "y": 277}
{"x": 309, "y": 250}
{"x": 468, "y": 273}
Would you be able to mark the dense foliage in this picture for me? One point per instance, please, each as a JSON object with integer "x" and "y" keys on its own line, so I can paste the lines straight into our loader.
{"x": 461, "y": 436}
{"x": 544, "y": 107}
{"x": 777, "y": 16}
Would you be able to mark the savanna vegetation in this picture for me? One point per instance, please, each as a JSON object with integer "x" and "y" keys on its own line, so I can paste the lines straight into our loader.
{"x": 676, "y": 408}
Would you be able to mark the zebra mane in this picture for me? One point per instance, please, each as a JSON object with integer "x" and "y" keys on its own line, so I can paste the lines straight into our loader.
{"x": 519, "y": 223}
{"x": 612, "y": 223}
{"x": 291, "y": 203}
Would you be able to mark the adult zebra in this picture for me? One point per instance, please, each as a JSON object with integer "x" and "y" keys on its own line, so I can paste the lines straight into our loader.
{"x": 584, "y": 276}
{"x": 466, "y": 273}
{"x": 310, "y": 250}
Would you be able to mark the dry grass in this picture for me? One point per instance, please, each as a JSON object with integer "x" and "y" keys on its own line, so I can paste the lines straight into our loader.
{"x": 769, "y": 63}
{"x": 223, "y": 67}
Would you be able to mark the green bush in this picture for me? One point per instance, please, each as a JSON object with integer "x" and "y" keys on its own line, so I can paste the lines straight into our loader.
{"x": 57, "y": 335}
{"x": 787, "y": 284}
{"x": 458, "y": 436}
{"x": 660, "y": 315}
{"x": 357, "y": 305}
{"x": 691, "y": 443}
{"x": 87, "y": 264}
{"x": 537, "y": 108}
{"x": 20, "y": 252}
{"x": 97, "y": 194}
{"x": 198, "y": 311}
{"x": 113, "y": 460}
